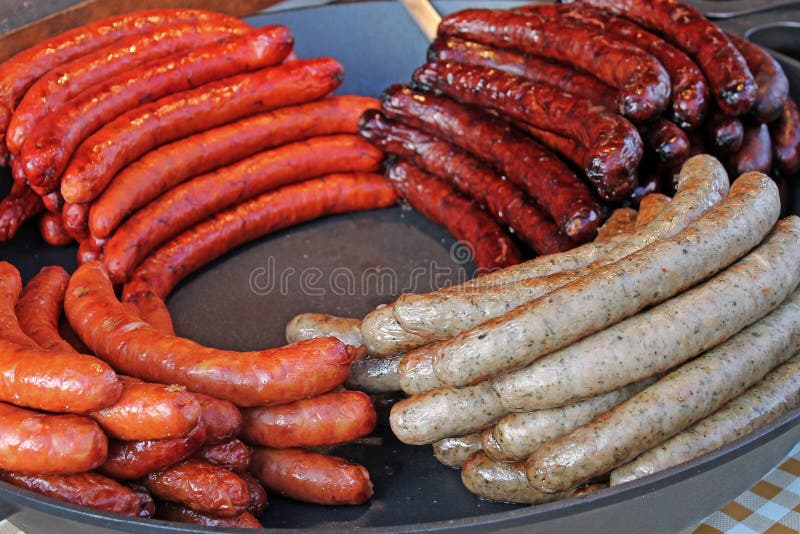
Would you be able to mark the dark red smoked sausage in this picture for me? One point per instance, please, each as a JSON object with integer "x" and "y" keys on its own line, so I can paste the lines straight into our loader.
{"x": 329, "y": 419}
{"x": 643, "y": 84}
{"x": 613, "y": 145}
{"x": 200, "y": 486}
{"x": 205, "y": 195}
{"x": 20, "y": 205}
{"x": 258, "y": 495}
{"x": 773, "y": 85}
{"x": 50, "y": 92}
{"x": 162, "y": 169}
{"x": 287, "y": 206}
{"x": 731, "y": 82}
{"x": 33, "y": 442}
{"x": 755, "y": 153}
{"x": 724, "y": 133}
{"x": 47, "y": 150}
{"x": 175, "y": 512}
{"x": 491, "y": 248}
{"x": 527, "y": 164}
{"x": 232, "y": 455}
{"x": 311, "y": 477}
{"x": 535, "y": 69}
{"x": 39, "y": 308}
{"x": 52, "y": 230}
{"x": 173, "y": 117}
{"x": 502, "y": 199}
{"x": 254, "y": 378}
{"x": 84, "y": 489}
{"x": 785, "y": 134}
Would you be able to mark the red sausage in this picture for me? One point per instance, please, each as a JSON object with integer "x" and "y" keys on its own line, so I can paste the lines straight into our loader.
{"x": 181, "y": 514}
{"x": 10, "y": 290}
{"x": 755, "y": 154}
{"x": 52, "y": 230}
{"x": 131, "y": 460}
{"x": 50, "y": 92}
{"x": 33, "y": 442}
{"x": 47, "y": 150}
{"x": 527, "y": 164}
{"x": 535, "y": 69}
{"x": 173, "y": 117}
{"x": 773, "y": 85}
{"x": 39, "y": 308}
{"x": 258, "y": 495}
{"x": 329, "y": 419}
{"x": 613, "y": 145}
{"x": 503, "y": 200}
{"x": 87, "y": 252}
{"x": 246, "y": 378}
{"x": 148, "y": 411}
{"x": 84, "y": 489}
{"x": 725, "y": 133}
{"x": 643, "y": 84}
{"x": 491, "y": 248}
{"x": 152, "y": 309}
{"x": 785, "y": 134}
{"x": 311, "y": 477}
{"x": 731, "y": 82}
{"x": 287, "y": 206}
{"x": 20, "y": 205}
{"x": 201, "y": 487}
{"x": 666, "y": 141}
{"x": 53, "y": 201}
{"x": 164, "y": 168}
{"x": 221, "y": 418}
{"x": 232, "y": 455}
{"x": 20, "y": 71}
{"x": 148, "y": 505}
{"x": 208, "y": 194}
{"x": 76, "y": 220}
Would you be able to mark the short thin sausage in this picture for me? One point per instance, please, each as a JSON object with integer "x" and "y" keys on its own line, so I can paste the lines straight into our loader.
{"x": 785, "y": 132}
{"x": 222, "y": 419}
{"x": 232, "y": 455}
{"x": 39, "y": 308}
{"x": 755, "y": 154}
{"x": 52, "y": 230}
{"x": 175, "y": 512}
{"x": 21, "y": 204}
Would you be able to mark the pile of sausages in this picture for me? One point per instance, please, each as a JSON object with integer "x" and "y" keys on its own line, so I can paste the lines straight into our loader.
{"x": 548, "y": 114}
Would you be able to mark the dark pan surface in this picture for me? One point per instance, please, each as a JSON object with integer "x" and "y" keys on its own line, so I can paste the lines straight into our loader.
{"x": 347, "y": 265}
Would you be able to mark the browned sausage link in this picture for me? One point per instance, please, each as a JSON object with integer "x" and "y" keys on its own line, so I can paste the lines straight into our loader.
{"x": 643, "y": 84}
{"x": 311, "y": 477}
{"x": 684, "y": 26}
{"x": 773, "y": 86}
{"x": 535, "y": 69}
{"x": 53, "y": 202}
{"x": 76, "y": 220}
{"x": 254, "y": 378}
{"x": 689, "y": 88}
{"x": 84, "y": 489}
{"x": 570, "y": 149}
{"x": 221, "y": 418}
{"x": 208, "y": 194}
{"x": 287, "y": 206}
{"x": 503, "y": 200}
{"x": 756, "y": 151}
{"x": 491, "y": 248}
{"x": 526, "y": 163}
{"x": 148, "y": 505}
{"x": 725, "y": 133}
{"x": 160, "y": 170}
{"x": 258, "y": 495}
{"x": 149, "y": 411}
{"x": 175, "y": 512}
{"x": 232, "y": 455}
{"x": 10, "y": 290}
{"x": 153, "y": 310}
{"x": 52, "y": 230}
{"x": 33, "y": 442}
{"x": 87, "y": 252}
{"x": 131, "y": 460}
{"x": 329, "y": 419}
{"x": 48, "y": 148}
{"x": 20, "y": 205}
{"x": 666, "y": 141}
{"x": 173, "y": 117}
{"x": 613, "y": 145}
{"x": 50, "y": 92}
{"x": 40, "y": 305}
{"x": 785, "y": 134}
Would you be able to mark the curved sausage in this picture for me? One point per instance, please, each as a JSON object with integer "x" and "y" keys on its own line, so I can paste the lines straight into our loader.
{"x": 247, "y": 378}
{"x": 175, "y": 116}
{"x": 201, "y": 487}
{"x": 527, "y": 164}
{"x": 613, "y": 146}
{"x": 153, "y": 310}
{"x": 20, "y": 205}
{"x": 33, "y": 442}
{"x": 643, "y": 84}
{"x": 773, "y": 86}
{"x": 232, "y": 455}
{"x": 503, "y": 200}
{"x": 222, "y": 419}
{"x": 48, "y": 149}
{"x": 158, "y": 171}
{"x": 678, "y": 400}
{"x": 289, "y": 205}
{"x": 175, "y": 512}
{"x": 755, "y": 154}
{"x": 84, "y": 489}
{"x": 258, "y": 495}
{"x": 739, "y": 222}
{"x": 52, "y": 230}
{"x": 40, "y": 306}
{"x": 10, "y": 290}
{"x": 311, "y": 477}
{"x": 725, "y": 133}
{"x": 329, "y": 419}
{"x": 312, "y": 325}
{"x": 785, "y": 132}
{"x": 453, "y": 452}
{"x": 131, "y": 460}
{"x": 51, "y": 92}
{"x": 208, "y": 194}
